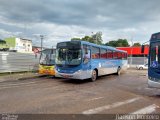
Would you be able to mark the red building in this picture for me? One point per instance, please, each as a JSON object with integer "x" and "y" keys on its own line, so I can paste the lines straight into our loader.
{"x": 135, "y": 51}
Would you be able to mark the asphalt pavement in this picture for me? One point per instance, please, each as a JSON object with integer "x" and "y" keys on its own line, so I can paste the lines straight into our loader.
{"x": 111, "y": 94}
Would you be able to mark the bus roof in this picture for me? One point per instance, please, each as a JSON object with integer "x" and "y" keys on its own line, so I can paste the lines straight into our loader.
{"x": 155, "y": 36}
{"x": 101, "y": 46}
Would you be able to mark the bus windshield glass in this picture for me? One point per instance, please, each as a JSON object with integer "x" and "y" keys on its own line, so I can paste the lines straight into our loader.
{"x": 47, "y": 57}
{"x": 66, "y": 56}
{"x": 155, "y": 55}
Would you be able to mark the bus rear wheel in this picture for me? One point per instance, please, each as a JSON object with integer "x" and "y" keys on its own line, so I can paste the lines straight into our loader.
{"x": 94, "y": 75}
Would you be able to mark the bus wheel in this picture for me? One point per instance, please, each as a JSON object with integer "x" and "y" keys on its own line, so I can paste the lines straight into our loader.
{"x": 118, "y": 71}
{"x": 141, "y": 68}
{"x": 94, "y": 75}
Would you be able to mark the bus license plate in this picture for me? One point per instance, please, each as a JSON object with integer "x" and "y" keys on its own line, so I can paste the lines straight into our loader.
{"x": 66, "y": 76}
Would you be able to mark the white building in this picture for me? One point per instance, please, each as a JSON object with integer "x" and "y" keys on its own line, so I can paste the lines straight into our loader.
{"x": 23, "y": 45}
{"x": 19, "y": 44}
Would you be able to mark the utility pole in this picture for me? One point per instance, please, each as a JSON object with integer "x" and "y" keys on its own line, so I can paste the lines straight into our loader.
{"x": 131, "y": 51}
{"x": 96, "y": 39}
{"x": 41, "y": 37}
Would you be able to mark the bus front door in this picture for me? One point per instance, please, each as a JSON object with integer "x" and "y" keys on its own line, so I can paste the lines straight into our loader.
{"x": 87, "y": 63}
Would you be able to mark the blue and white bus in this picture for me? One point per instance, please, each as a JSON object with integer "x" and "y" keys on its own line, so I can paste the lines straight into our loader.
{"x": 83, "y": 60}
{"x": 154, "y": 61}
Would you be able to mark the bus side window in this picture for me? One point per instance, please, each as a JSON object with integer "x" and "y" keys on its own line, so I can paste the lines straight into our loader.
{"x": 103, "y": 54}
{"x": 119, "y": 55}
{"x": 109, "y": 54}
{"x": 95, "y": 53}
{"x": 114, "y": 55}
{"x": 93, "y": 56}
{"x": 158, "y": 53}
{"x": 124, "y": 56}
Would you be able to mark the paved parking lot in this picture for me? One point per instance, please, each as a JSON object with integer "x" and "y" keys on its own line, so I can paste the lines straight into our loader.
{"x": 111, "y": 94}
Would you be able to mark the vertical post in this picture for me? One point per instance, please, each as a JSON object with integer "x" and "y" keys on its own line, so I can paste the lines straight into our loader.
{"x": 143, "y": 54}
{"x": 131, "y": 52}
{"x": 41, "y": 36}
{"x": 96, "y": 38}
{"x": 144, "y": 59}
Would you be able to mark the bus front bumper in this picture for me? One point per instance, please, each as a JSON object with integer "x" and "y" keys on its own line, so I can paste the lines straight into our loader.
{"x": 46, "y": 70}
{"x": 153, "y": 84}
{"x": 81, "y": 75}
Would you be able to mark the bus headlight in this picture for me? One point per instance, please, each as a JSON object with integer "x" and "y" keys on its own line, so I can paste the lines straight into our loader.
{"x": 154, "y": 79}
{"x": 78, "y": 72}
{"x": 151, "y": 78}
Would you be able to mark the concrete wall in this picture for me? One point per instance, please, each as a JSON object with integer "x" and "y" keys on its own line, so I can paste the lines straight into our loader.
{"x": 11, "y": 42}
{"x": 18, "y": 44}
{"x": 16, "y": 62}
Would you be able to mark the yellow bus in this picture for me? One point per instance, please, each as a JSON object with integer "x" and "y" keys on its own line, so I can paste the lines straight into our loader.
{"x": 47, "y": 62}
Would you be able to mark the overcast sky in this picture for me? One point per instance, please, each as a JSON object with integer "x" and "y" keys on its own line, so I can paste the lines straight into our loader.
{"x": 61, "y": 20}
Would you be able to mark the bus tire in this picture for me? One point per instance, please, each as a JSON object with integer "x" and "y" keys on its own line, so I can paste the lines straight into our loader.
{"x": 118, "y": 71}
{"x": 141, "y": 68}
{"x": 94, "y": 75}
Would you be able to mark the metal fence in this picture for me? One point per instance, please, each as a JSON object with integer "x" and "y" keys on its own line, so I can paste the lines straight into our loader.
{"x": 137, "y": 60}
{"x": 17, "y": 62}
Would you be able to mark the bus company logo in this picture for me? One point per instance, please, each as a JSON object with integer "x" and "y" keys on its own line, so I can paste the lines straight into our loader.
{"x": 154, "y": 64}
{"x": 109, "y": 63}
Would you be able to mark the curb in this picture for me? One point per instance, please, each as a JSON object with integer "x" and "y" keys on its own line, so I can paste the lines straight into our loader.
{"x": 27, "y": 78}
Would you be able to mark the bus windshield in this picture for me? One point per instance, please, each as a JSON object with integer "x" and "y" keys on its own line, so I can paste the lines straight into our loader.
{"x": 67, "y": 56}
{"x": 155, "y": 55}
{"x": 47, "y": 57}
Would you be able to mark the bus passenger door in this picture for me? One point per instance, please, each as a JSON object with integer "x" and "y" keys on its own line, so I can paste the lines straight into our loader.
{"x": 87, "y": 63}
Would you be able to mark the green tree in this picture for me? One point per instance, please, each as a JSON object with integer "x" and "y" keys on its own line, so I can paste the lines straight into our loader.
{"x": 75, "y": 38}
{"x": 118, "y": 43}
{"x": 124, "y": 43}
{"x": 137, "y": 44}
{"x": 87, "y": 38}
{"x": 95, "y": 38}
{"x": 112, "y": 43}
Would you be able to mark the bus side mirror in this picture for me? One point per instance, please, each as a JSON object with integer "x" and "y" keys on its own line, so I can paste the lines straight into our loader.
{"x": 142, "y": 49}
